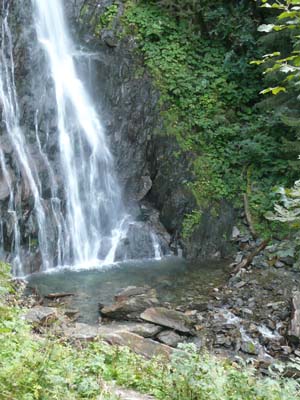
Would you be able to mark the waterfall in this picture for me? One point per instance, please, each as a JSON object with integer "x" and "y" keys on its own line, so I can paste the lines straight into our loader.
{"x": 65, "y": 208}
{"x": 93, "y": 199}
{"x": 87, "y": 222}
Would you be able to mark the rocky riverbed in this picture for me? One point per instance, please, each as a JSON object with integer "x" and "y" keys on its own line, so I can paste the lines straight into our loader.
{"x": 247, "y": 315}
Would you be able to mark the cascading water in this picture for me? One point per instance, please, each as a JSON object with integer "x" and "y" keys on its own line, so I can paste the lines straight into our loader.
{"x": 11, "y": 117}
{"x": 77, "y": 218}
{"x": 93, "y": 205}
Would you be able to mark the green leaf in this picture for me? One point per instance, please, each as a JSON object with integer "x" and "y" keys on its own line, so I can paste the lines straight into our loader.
{"x": 288, "y": 14}
{"x": 274, "y": 90}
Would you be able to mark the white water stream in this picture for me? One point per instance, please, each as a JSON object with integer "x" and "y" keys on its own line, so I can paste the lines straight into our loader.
{"x": 93, "y": 207}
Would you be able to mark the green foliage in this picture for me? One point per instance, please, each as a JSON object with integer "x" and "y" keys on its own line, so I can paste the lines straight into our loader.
{"x": 289, "y": 209}
{"x": 191, "y": 221}
{"x": 90, "y": 17}
{"x": 284, "y": 68}
{"x": 106, "y": 19}
{"x": 207, "y": 99}
{"x": 289, "y": 65}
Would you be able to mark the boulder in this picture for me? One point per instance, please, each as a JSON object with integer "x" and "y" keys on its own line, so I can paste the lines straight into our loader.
{"x": 145, "y": 347}
{"x": 250, "y": 347}
{"x": 170, "y": 338}
{"x": 132, "y": 291}
{"x": 80, "y": 331}
{"x": 169, "y": 318}
{"x": 41, "y": 316}
{"x": 130, "y": 307}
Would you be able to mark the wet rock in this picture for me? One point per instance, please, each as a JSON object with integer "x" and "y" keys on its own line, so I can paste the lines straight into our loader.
{"x": 297, "y": 353}
{"x": 220, "y": 340}
{"x": 286, "y": 350}
{"x": 279, "y": 264}
{"x": 235, "y": 233}
{"x": 239, "y": 257}
{"x": 253, "y": 328}
{"x": 239, "y": 302}
{"x": 240, "y": 284}
{"x": 132, "y": 291}
{"x": 70, "y": 313}
{"x": 139, "y": 241}
{"x": 271, "y": 324}
{"x": 130, "y": 305}
{"x": 249, "y": 346}
{"x": 202, "y": 307}
{"x": 170, "y": 338}
{"x": 208, "y": 241}
{"x": 145, "y": 187}
{"x": 287, "y": 260}
{"x": 246, "y": 312}
{"x": 109, "y": 38}
{"x": 169, "y": 318}
{"x": 275, "y": 306}
{"x": 4, "y": 189}
{"x": 145, "y": 347}
{"x": 43, "y": 316}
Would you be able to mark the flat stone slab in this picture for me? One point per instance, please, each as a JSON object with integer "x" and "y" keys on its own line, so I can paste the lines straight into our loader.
{"x": 144, "y": 329}
{"x": 125, "y": 394}
{"x": 80, "y": 331}
{"x": 169, "y": 318}
{"x": 145, "y": 347}
{"x": 42, "y": 316}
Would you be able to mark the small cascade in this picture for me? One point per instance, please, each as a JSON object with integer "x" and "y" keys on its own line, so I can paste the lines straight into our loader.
{"x": 156, "y": 246}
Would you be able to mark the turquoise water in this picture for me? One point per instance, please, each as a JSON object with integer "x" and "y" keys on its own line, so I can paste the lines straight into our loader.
{"x": 176, "y": 282}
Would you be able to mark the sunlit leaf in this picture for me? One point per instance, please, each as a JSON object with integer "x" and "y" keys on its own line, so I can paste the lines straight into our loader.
{"x": 265, "y": 28}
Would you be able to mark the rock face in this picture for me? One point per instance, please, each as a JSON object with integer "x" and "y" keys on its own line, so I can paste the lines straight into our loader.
{"x": 169, "y": 318}
{"x": 145, "y": 160}
{"x": 125, "y": 97}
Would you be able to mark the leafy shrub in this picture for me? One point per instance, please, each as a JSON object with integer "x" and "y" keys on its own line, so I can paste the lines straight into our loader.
{"x": 208, "y": 96}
